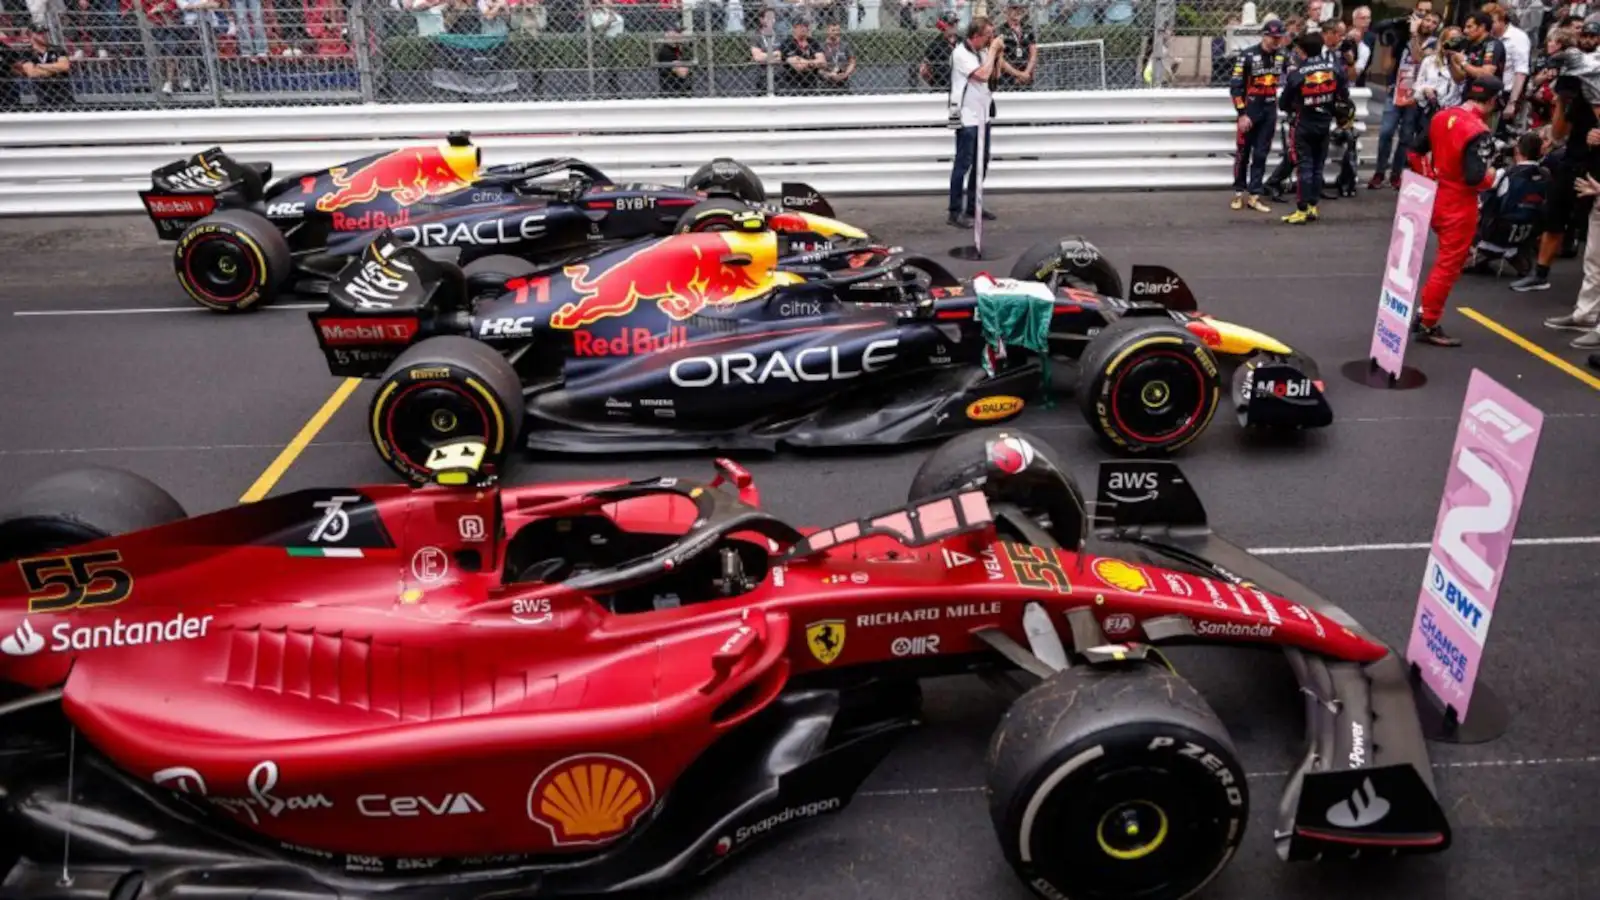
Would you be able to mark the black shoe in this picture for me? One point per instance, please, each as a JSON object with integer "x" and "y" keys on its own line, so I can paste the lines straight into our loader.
{"x": 1435, "y": 335}
{"x": 1594, "y": 361}
{"x": 989, "y": 215}
{"x": 1347, "y": 190}
{"x": 961, "y": 221}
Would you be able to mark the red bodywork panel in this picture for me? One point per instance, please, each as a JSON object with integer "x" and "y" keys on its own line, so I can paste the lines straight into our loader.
{"x": 345, "y": 699}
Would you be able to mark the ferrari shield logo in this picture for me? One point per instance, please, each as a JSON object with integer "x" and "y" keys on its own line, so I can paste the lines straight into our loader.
{"x": 826, "y": 639}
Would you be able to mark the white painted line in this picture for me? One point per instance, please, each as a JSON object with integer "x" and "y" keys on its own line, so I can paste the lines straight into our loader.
{"x": 1469, "y": 764}
{"x": 281, "y": 307}
{"x": 1418, "y": 545}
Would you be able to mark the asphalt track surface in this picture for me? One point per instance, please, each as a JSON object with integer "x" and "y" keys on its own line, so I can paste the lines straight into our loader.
{"x": 204, "y": 404}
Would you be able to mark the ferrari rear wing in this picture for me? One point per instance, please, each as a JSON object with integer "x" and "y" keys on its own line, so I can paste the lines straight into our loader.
{"x": 1365, "y": 782}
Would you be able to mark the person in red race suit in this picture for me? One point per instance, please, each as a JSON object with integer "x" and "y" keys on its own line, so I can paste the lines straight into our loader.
{"x": 1457, "y": 151}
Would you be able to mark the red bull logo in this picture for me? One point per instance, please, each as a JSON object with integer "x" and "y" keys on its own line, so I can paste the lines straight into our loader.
{"x": 408, "y": 176}
{"x": 1319, "y": 77}
{"x": 631, "y": 342}
{"x": 682, "y": 274}
{"x": 371, "y": 221}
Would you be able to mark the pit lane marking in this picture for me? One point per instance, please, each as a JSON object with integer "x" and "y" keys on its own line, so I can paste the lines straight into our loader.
{"x": 1539, "y": 763}
{"x": 147, "y": 310}
{"x": 1531, "y": 347}
{"x": 314, "y": 425}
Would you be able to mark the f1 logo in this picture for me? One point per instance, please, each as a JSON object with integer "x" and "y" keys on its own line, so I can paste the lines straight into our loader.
{"x": 1416, "y": 191}
{"x": 1511, "y": 428}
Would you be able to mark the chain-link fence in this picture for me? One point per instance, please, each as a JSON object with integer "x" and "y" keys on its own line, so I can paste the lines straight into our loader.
{"x": 101, "y": 54}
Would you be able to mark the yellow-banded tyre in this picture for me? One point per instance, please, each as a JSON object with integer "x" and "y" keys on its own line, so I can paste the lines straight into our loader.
{"x": 1148, "y": 386}
{"x": 720, "y": 215}
{"x": 1112, "y": 784}
{"x": 233, "y": 261}
{"x": 445, "y": 389}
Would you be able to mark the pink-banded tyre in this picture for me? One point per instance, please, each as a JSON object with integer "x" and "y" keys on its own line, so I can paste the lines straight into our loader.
{"x": 1115, "y": 784}
{"x": 233, "y": 261}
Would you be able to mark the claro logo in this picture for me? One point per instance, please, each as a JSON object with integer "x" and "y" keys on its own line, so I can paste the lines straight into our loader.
{"x": 1156, "y": 287}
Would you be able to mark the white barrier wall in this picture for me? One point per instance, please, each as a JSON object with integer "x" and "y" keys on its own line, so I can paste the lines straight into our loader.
{"x": 882, "y": 144}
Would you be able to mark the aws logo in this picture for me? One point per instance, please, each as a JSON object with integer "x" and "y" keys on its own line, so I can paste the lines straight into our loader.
{"x": 989, "y": 409}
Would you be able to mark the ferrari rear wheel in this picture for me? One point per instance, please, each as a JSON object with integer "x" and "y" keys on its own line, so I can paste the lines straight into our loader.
{"x": 1147, "y": 385}
{"x": 441, "y": 390}
{"x": 1115, "y": 783}
{"x": 80, "y": 506}
{"x": 232, "y": 261}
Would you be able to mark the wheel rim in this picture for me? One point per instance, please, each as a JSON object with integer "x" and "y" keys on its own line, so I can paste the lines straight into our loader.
{"x": 1158, "y": 397}
{"x": 221, "y": 269}
{"x": 424, "y": 416}
{"x": 1131, "y": 832}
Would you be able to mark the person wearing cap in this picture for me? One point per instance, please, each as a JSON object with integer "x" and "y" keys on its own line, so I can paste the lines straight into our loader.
{"x": 45, "y": 66}
{"x": 1310, "y": 93}
{"x": 935, "y": 67}
{"x": 1021, "y": 57}
{"x": 1573, "y": 119}
{"x": 1457, "y": 151}
{"x": 1257, "y": 75}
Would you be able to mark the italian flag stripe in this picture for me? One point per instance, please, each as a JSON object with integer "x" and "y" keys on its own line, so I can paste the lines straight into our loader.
{"x": 335, "y": 552}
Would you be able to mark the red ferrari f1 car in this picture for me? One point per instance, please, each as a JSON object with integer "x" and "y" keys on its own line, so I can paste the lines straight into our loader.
{"x": 470, "y": 691}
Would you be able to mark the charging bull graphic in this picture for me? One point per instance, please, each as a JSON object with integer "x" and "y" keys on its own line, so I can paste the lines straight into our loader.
{"x": 408, "y": 176}
{"x": 683, "y": 274}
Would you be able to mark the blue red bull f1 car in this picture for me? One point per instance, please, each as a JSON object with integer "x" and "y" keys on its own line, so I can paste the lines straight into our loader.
{"x": 730, "y": 340}
{"x": 243, "y": 238}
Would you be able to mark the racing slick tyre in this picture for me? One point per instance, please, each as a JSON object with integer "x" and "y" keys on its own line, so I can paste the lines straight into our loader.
{"x": 1074, "y": 262}
{"x": 1147, "y": 385}
{"x": 233, "y": 261}
{"x": 720, "y": 215}
{"x": 1115, "y": 783}
{"x": 445, "y": 389}
{"x": 963, "y": 461}
{"x": 80, "y": 506}
{"x": 728, "y": 177}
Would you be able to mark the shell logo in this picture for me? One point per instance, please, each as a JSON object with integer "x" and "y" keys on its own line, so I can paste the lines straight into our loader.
{"x": 1122, "y": 576}
{"x": 590, "y": 798}
{"x": 990, "y": 408}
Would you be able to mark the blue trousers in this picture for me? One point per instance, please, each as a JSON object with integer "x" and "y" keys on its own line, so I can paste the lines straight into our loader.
{"x": 964, "y": 174}
{"x": 1394, "y": 135}
{"x": 1250, "y": 157}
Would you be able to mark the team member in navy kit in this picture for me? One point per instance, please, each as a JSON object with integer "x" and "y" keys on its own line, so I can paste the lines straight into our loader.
{"x": 1256, "y": 76}
{"x": 1310, "y": 92}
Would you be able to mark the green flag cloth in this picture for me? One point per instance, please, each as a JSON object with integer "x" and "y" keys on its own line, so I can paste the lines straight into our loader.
{"x": 1016, "y": 313}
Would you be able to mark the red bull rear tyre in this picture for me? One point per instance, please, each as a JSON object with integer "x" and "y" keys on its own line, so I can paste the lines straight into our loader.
{"x": 233, "y": 261}
{"x": 1072, "y": 262}
{"x": 1148, "y": 386}
{"x": 445, "y": 389}
{"x": 721, "y": 215}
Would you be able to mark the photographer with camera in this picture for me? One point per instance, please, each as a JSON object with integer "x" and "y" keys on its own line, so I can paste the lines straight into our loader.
{"x": 1401, "y": 114}
{"x": 1437, "y": 86}
{"x": 972, "y": 69}
{"x": 1457, "y": 151}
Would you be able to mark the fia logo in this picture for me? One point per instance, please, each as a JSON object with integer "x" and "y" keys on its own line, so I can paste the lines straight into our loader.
{"x": 335, "y": 524}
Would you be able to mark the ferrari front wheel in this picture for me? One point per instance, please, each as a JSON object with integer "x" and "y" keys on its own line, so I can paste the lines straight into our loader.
{"x": 1115, "y": 784}
{"x": 443, "y": 390}
{"x": 1148, "y": 385}
{"x": 232, "y": 261}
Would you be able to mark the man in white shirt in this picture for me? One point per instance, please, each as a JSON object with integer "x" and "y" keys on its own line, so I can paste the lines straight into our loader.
{"x": 1519, "y": 53}
{"x": 972, "y": 68}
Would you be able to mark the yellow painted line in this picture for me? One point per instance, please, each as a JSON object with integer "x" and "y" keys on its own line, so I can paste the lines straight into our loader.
{"x": 1531, "y": 347}
{"x": 286, "y": 458}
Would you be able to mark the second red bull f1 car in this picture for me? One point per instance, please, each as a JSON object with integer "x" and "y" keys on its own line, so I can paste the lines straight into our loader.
{"x": 585, "y": 689}
{"x": 243, "y": 239}
{"x": 724, "y": 340}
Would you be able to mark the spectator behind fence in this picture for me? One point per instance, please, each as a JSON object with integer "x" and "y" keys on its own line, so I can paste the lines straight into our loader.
{"x": 802, "y": 59}
{"x": 45, "y": 67}
{"x": 176, "y": 39}
{"x": 1022, "y": 49}
{"x": 252, "y": 28}
{"x": 428, "y": 14}
{"x": 765, "y": 43}
{"x": 677, "y": 79}
{"x": 841, "y": 60}
{"x": 605, "y": 21}
{"x": 935, "y": 67}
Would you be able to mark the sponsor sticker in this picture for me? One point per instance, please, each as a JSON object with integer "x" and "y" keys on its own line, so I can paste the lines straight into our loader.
{"x": 590, "y": 798}
{"x": 1122, "y": 576}
{"x": 630, "y": 342}
{"x": 989, "y": 409}
{"x": 68, "y": 637}
{"x": 825, "y": 639}
{"x": 1117, "y": 625}
{"x": 366, "y": 330}
{"x": 924, "y": 645}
